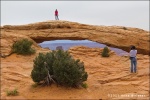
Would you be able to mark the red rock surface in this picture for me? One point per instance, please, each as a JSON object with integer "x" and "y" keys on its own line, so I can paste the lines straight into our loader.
{"x": 108, "y": 77}
{"x": 115, "y": 36}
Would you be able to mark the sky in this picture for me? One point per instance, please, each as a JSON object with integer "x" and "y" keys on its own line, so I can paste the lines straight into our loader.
{"x": 119, "y": 13}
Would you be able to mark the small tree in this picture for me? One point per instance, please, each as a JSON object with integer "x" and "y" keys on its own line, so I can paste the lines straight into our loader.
{"x": 68, "y": 71}
{"x": 39, "y": 71}
{"x": 58, "y": 67}
{"x": 23, "y": 47}
{"x": 105, "y": 52}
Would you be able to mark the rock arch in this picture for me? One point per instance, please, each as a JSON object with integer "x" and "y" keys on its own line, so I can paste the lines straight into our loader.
{"x": 115, "y": 36}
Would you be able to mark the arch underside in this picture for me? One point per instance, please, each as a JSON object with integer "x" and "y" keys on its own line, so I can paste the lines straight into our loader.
{"x": 127, "y": 49}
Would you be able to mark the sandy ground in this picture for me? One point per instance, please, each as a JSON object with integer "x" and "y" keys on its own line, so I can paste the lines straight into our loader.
{"x": 109, "y": 78}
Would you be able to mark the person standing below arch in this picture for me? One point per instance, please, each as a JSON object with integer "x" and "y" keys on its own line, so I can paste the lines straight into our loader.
{"x": 56, "y": 15}
{"x": 133, "y": 59}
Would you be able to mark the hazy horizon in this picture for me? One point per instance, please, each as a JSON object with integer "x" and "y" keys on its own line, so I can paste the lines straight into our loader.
{"x": 67, "y": 41}
{"x": 67, "y": 44}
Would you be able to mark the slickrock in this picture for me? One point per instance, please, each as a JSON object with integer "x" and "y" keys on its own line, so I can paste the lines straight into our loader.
{"x": 108, "y": 78}
{"x": 115, "y": 36}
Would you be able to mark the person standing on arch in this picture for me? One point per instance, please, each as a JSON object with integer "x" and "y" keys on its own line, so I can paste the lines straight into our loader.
{"x": 56, "y": 15}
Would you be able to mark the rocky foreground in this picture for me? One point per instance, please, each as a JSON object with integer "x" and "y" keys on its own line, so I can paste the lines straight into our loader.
{"x": 109, "y": 78}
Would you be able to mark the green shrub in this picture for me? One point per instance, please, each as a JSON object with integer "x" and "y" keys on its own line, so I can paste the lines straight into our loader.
{"x": 34, "y": 85}
{"x": 12, "y": 92}
{"x": 39, "y": 71}
{"x": 84, "y": 85}
{"x": 23, "y": 47}
{"x": 105, "y": 52}
{"x": 67, "y": 71}
{"x": 58, "y": 67}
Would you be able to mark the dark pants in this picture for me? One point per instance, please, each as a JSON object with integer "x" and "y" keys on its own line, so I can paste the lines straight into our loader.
{"x": 133, "y": 64}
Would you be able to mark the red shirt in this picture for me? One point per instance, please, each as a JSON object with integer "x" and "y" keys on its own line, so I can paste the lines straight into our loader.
{"x": 56, "y": 13}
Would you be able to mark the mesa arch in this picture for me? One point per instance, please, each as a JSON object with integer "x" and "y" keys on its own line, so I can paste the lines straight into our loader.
{"x": 115, "y": 36}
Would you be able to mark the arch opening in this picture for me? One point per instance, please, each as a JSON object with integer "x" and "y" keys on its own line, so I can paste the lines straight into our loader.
{"x": 66, "y": 44}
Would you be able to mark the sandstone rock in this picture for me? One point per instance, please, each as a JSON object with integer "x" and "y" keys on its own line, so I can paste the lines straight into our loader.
{"x": 7, "y": 40}
{"x": 112, "y": 73}
{"x": 115, "y": 36}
